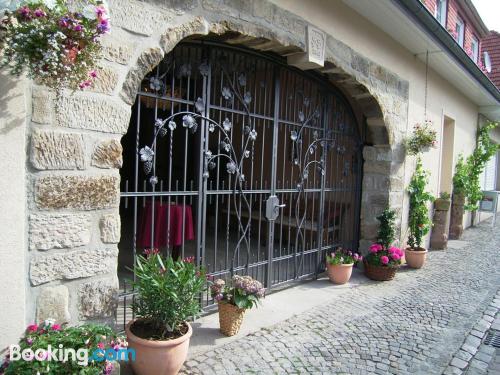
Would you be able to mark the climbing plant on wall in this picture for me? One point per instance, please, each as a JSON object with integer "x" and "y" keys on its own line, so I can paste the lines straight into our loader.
{"x": 419, "y": 223}
{"x": 476, "y": 162}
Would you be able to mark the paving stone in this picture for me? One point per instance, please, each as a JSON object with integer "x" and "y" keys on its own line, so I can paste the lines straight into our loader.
{"x": 473, "y": 341}
{"x": 466, "y": 356}
{"x": 483, "y": 357}
{"x": 479, "y": 364}
{"x": 487, "y": 349}
{"x": 470, "y": 349}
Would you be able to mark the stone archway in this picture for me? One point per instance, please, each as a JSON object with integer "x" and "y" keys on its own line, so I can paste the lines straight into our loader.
{"x": 73, "y": 195}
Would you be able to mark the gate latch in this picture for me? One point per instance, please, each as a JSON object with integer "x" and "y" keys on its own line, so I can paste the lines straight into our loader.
{"x": 273, "y": 207}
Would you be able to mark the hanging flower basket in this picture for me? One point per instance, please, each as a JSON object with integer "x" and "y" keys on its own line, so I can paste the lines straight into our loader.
{"x": 56, "y": 42}
{"x": 424, "y": 138}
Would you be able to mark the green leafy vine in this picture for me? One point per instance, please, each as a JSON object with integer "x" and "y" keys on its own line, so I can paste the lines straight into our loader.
{"x": 466, "y": 179}
{"x": 419, "y": 223}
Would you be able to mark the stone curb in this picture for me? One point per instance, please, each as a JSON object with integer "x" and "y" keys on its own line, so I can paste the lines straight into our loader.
{"x": 473, "y": 355}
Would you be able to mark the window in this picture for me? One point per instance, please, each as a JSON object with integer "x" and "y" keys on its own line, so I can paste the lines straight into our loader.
{"x": 441, "y": 11}
{"x": 489, "y": 180}
{"x": 475, "y": 49}
{"x": 460, "y": 29}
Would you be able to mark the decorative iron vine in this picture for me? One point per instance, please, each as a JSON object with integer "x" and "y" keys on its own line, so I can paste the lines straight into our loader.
{"x": 234, "y": 162}
{"x": 305, "y": 165}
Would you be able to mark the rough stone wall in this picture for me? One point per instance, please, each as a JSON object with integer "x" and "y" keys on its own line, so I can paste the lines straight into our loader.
{"x": 74, "y": 141}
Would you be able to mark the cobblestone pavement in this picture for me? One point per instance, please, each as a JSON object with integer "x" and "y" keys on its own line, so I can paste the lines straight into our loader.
{"x": 476, "y": 356}
{"x": 413, "y": 324}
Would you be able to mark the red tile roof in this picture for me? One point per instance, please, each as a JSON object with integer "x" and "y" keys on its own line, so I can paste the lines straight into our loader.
{"x": 491, "y": 44}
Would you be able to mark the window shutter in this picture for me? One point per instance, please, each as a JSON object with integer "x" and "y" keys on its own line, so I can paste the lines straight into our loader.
{"x": 490, "y": 174}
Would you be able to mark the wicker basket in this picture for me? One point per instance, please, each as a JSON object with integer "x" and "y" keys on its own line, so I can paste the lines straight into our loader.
{"x": 379, "y": 273}
{"x": 230, "y": 318}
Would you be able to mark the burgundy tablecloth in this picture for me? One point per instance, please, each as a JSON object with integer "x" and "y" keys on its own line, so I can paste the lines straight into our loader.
{"x": 161, "y": 216}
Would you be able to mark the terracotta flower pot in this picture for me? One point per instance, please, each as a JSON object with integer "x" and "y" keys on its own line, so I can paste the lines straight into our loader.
{"x": 379, "y": 273}
{"x": 339, "y": 273}
{"x": 442, "y": 204}
{"x": 158, "y": 357}
{"x": 230, "y": 318}
{"x": 416, "y": 258}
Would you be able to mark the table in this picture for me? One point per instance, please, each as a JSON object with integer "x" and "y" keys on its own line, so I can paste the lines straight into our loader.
{"x": 165, "y": 214}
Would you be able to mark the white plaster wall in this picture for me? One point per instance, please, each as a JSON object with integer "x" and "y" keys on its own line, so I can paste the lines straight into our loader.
{"x": 13, "y": 271}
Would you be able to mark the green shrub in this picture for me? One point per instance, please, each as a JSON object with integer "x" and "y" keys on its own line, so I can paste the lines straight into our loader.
{"x": 168, "y": 292}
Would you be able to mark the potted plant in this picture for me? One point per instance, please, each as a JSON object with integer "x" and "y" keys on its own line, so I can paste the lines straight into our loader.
{"x": 422, "y": 139}
{"x": 234, "y": 299}
{"x": 92, "y": 345}
{"x": 384, "y": 259}
{"x": 339, "y": 265}
{"x": 419, "y": 223}
{"x": 168, "y": 294}
{"x": 443, "y": 202}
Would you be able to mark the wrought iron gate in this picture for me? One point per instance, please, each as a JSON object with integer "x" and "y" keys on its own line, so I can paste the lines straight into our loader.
{"x": 244, "y": 163}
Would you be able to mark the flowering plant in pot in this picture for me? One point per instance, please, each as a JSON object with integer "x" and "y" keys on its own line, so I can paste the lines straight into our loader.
{"x": 419, "y": 223}
{"x": 383, "y": 259}
{"x": 85, "y": 349}
{"x": 241, "y": 294}
{"x": 57, "y": 42}
{"x": 168, "y": 294}
{"x": 423, "y": 138}
{"x": 339, "y": 265}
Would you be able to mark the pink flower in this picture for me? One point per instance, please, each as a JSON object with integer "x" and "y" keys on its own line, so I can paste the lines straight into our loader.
{"x": 188, "y": 260}
{"x": 24, "y": 11}
{"x": 100, "y": 11}
{"x": 100, "y": 345}
{"x": 396, "y": 256}
{"x": 32, "y": 328}
{"x": 395, "y": 251}
{"x": 85, "y": 84}
{"x": 109, "y": 368}
{"x": 384, "y": 259}
{"x": 376, "y": 247}
{"x": 56, "y": 327}
{"x": 29, "y": 340}
{"x": 39, "y": 13}
{"x": 93, "y": 73}
{"x": 78, "y": 28}
{"x": 355, "y": 257}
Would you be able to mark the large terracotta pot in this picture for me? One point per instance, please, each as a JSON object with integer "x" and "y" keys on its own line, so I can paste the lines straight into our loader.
{"x": 415, "y": 258}
{"x": 158, "y": 357}
{"x": 339, "y": 273}
{"x": 230, "y": 318}
{"x": 379, "y": 273}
